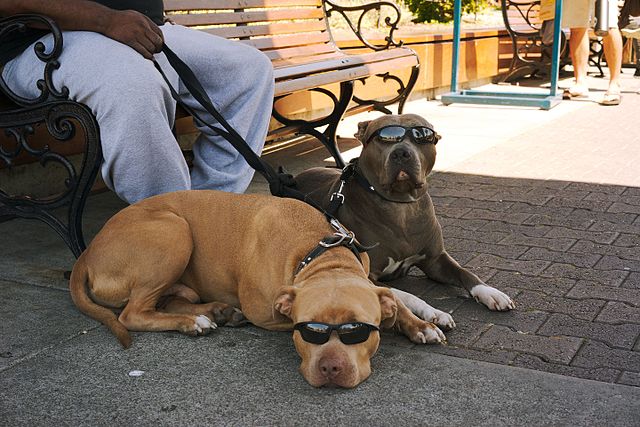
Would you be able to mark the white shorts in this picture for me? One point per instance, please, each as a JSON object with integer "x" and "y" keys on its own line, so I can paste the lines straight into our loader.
{"x": 581, "y": 13}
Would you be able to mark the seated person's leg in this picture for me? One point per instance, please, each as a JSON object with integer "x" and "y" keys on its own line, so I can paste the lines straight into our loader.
{"x": 133, "y": 107}
{"x": 239, "y": 81}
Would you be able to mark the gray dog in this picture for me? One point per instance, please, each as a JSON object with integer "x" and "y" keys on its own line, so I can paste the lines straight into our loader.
{"x": 383, "y": 198}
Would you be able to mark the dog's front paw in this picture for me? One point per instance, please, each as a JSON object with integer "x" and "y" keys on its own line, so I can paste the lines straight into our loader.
{"x": 427, "y": 333}
{"x": 492, "y": 298}
{"x": 444, "y": 320}
{"x": 203, "y": 325}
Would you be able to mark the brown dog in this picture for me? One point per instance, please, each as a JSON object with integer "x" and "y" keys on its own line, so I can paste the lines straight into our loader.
{"x": 180, "y": 260}
{"x": 386, "y": 201}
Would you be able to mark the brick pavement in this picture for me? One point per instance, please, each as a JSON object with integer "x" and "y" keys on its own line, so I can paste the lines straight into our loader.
{"x": 568, "y": 254}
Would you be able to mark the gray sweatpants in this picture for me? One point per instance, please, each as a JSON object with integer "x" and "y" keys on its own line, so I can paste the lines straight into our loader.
{"x": 135, "y": 110}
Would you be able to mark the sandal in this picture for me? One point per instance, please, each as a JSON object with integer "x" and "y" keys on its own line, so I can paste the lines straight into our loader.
{"x": 611, "y": 98}
{"x": 576, "y": 91}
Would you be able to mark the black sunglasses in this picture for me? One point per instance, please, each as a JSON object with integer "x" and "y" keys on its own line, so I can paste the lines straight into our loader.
{"x": 349, "y": 333}
{"x": 394, "y": 134}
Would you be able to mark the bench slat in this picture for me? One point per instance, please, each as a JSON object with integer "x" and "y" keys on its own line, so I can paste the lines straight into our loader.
{"x": 201, "y": 19}
{"x": 290, "y": 86}
{"x": 293, "y": 52}
{"x": 279, "y": 42}
{"x": 267, "y": 29}
{"x": 282, "y": 71}
{"x": 185, "y": 5}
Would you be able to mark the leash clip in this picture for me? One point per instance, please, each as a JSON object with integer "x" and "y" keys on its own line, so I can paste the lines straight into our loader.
{"x": 338, "y": 194}
{"x": 341, "y": 238}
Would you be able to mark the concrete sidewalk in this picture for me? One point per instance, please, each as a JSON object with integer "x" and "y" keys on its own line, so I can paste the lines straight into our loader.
{"x": 543, "y": 205}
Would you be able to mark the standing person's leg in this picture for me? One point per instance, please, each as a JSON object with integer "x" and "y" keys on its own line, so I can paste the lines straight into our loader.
{"x": 239, "y": 81}
{"x": 131, "y": 102}
{"x": 613, "y": 55}
{"x": 579, "y": 49}
{"x": 575, "y": 15}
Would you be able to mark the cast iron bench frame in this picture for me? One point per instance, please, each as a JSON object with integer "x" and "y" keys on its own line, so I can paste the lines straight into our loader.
{"x": 295, "y": 35}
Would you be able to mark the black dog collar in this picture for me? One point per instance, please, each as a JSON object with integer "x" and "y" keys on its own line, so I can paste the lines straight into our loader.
{"x": 342, "y": 237}
{"x": 351, "y": 171}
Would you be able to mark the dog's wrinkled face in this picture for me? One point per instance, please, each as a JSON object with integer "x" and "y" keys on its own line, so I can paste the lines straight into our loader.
{"x": 397, "y": 170}
{"x": 335, "y": 363}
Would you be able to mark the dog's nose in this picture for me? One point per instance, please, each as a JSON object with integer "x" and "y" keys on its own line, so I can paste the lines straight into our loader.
{"x": 330, "y": 367}
{"x": 401, "y": 154}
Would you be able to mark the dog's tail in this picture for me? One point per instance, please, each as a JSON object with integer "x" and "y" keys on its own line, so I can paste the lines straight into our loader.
{"x": 80, "y": 297}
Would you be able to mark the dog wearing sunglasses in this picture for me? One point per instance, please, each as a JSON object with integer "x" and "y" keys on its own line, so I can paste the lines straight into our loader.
{"x": 189, "y": 260}
{"x": 383, "y": 198}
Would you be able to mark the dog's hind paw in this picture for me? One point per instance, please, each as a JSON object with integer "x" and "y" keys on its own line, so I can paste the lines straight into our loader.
{"x": 204, "y": 325}
{"x": 493, "y": 298}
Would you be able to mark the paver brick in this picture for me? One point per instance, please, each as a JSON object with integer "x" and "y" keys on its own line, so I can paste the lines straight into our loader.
{"x": 518, "y": 195}
{"x": 587, "y": 247}
{"x": 630, "y": 378}
{"x": 525, "y": 230}
{"x": 620, "y": 336}
{"x": 632, "y": 191}
{"x": 557, "y": 244}
{"x": 506, "y": 251}
{"x": 598, "y": 237}
{"x": 604, "y": 277}
{"x": 632, "y": 281}
{"x": 624, "y": 208}
{"x": 545, "y": 210}
{"x": 586, "y": 309}
{"x": 452, "y": 212}
{"x": 598, "y": 374}
{"x": 610, "y": 197}
{"x": 602, "y": 226}
{"x": 521, "y": 266}
{"x": 579, "y": 260}
{"x": 466, "y": 192}
{"x": 609, "y": 262}
{"x": 605, "y": 189}
{"x": 519, "y": 320}
{"x": 466, "y": 224}
{"x": 619, "y": 312}
{"x": 510, "y": 217}
{"x": 560, "y": 221}
{"x": 588, "y": 289}
{"x": 452, "y": 231}
{"x": 548, "y": 285}
{"x": 493, "y": 355}
{"x": 491, "y": 205}
{"x": 617, "y": 217}
{"x": 567, "y": 193}
{"x": 594, "y": 205}
{"x": 551, "y": 349}
{"x": 628, "y": 240}
{"x": 598, "y": 355}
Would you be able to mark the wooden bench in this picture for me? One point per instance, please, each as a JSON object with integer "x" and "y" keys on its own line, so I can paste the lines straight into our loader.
{"x": 530, "y": 55}
{"x": 294, "y": 34}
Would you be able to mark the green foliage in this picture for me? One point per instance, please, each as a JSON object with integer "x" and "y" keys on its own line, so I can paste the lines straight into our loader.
{"x": 441, "y": 10}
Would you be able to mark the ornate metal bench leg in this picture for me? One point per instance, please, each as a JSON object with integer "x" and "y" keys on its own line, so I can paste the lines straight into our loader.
{"x": 328, "y": 138}
{"x": 410, "y": 84}
{"x": 60, "y": 118}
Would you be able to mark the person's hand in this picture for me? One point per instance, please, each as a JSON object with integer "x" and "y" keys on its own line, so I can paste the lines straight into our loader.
{"x": 135, "y": 30}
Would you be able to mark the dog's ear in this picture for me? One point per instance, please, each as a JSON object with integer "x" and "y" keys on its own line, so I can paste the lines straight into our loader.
{"x": 284, "y": 301}
{"x": 362, "y": 129}
{"x": 388, "y": 307}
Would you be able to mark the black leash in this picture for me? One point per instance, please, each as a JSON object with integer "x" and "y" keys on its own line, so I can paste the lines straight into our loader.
{"x": 280, "y": 183}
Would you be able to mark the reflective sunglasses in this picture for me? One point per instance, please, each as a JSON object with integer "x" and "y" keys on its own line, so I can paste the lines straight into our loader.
{"x": 394, "y": 134}
{"x": 349, "y": 333}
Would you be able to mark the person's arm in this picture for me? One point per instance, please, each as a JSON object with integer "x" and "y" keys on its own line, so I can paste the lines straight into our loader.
{"x": 126, "y": 26}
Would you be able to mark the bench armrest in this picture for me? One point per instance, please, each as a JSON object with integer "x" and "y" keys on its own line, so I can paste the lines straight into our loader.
{"x": 45, "y": 85}
{"x": 392, "y": 24}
